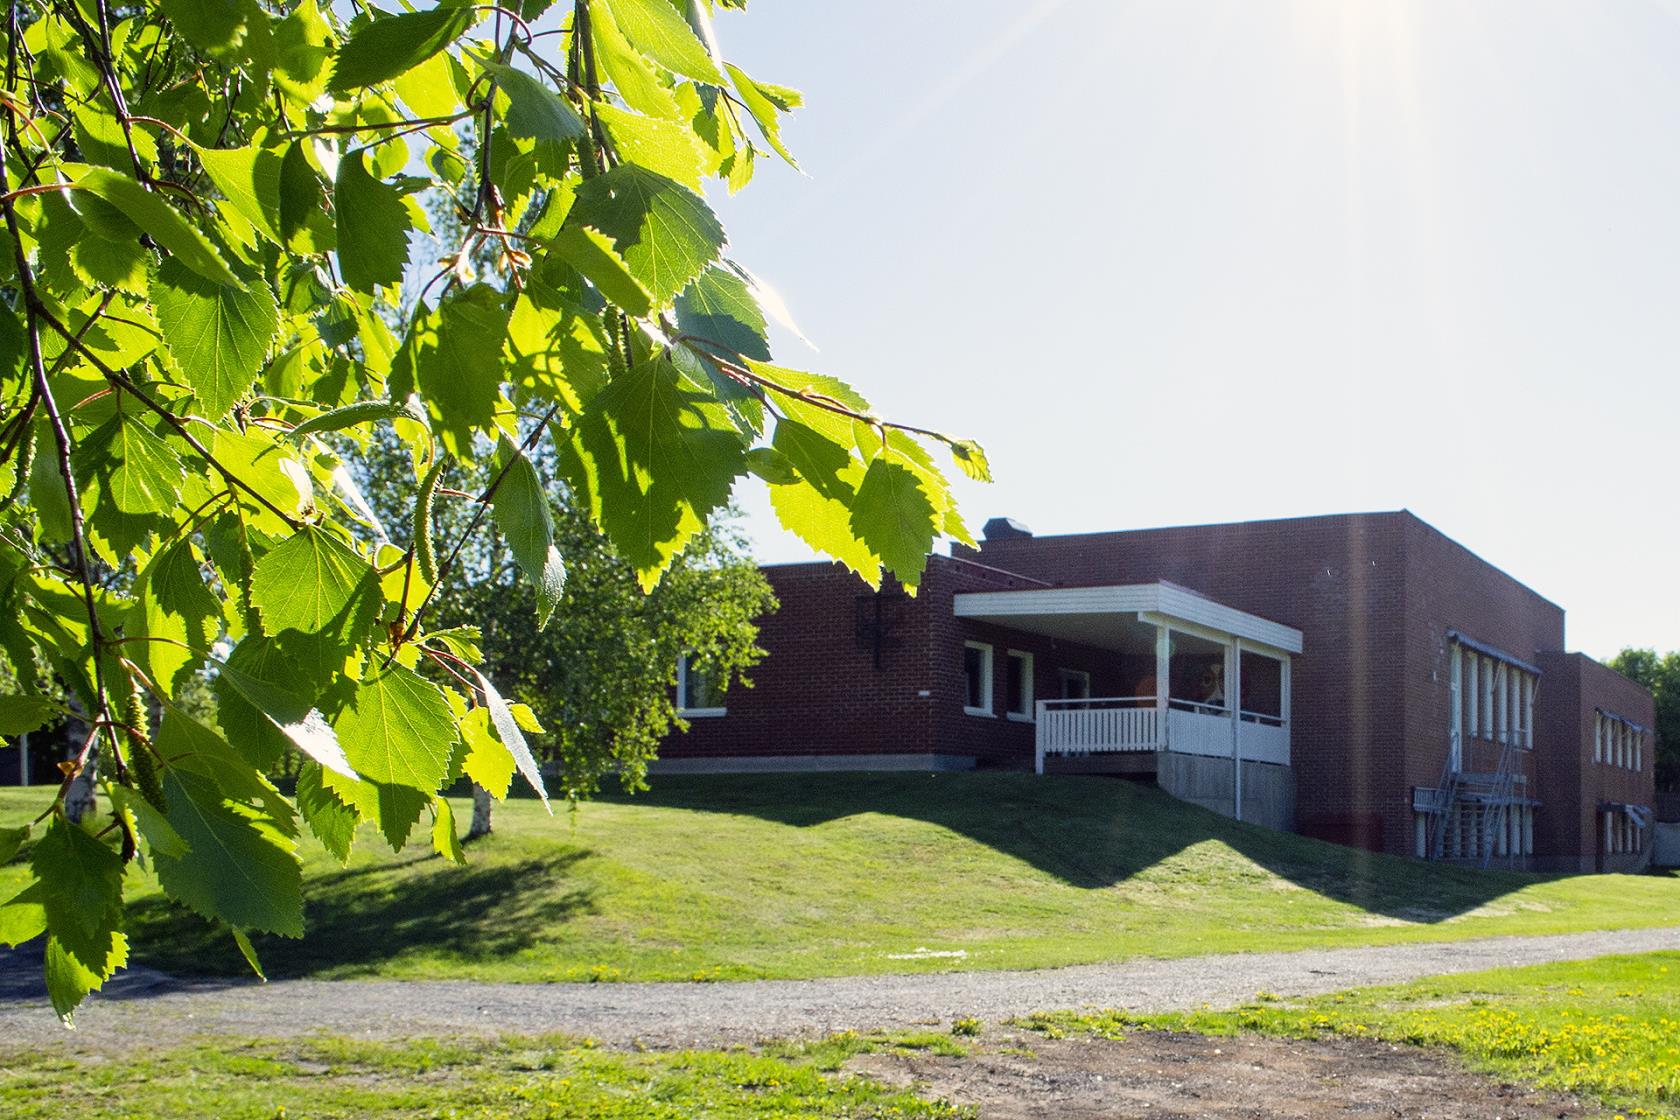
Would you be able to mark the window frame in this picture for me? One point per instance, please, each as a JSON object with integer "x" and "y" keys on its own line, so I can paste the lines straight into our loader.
{"x": 988, "y": 679}
{"x": 1028, "y": 693}
{"x": 682, "y": 695}
{"x": 1063, "y": 675}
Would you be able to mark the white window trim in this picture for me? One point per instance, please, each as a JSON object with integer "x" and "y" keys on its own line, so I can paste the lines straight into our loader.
{"x": 987, "y": 680}
{"x": 1029, "y": 695}
{"x": 1063, "y": 675}
{"x": 682, "y": 694}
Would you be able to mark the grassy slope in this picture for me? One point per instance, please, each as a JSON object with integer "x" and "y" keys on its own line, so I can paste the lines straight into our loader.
{"x": 330, "y": 1078}
{"x": 792, "y": 876}
{"x": 1607, "y": 1028}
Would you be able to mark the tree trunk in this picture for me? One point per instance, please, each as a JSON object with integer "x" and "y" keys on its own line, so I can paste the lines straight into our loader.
{"x": 78, "y": 799}
{"x": 481, "y": 813}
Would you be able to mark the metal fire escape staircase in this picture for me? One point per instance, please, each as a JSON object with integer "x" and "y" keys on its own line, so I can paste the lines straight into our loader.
{"x": 1470, "y": 812}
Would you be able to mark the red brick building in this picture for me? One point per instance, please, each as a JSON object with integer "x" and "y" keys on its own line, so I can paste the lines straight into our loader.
{"x": 1358, "y": 678}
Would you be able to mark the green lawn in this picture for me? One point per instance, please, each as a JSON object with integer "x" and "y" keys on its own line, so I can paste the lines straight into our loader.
{"x": 330, "y": 1078}
{"x": 1607, "y": 1028}
{"x": 796, "y": 876}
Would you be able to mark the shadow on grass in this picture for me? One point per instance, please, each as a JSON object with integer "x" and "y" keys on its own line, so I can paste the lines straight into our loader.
{"x": 361, "y": 917}
{"x": 1092, "y": 832}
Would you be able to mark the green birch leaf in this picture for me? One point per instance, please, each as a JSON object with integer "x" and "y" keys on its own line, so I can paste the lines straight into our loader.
{"x": 331, "y": 820}
{"x": 508, "y": 730}
{"x": 762, "y": 102}
{"x": 303, "y": 223}
{"x": 429, "y": 88}
{"x": 535, "y": 111}
{"x": 520, "y": 508}
{"x": 20, "y": 715}
{"x": 718, "y": 308}
{"x": 217, "y": 27}
{"x": 655, "y": 454}
{"x": 124, "y": 265}
{"x": 11, "y": 839}
{"x": 488, "y": 763}
{"x": 239, "y": 866}
{"x": 895, "y": 519}
{"x": 664, "y": 232}
{"x": 81, "y": 893}
{"x": 136, "y": 469}
{"x": 373, "y": 226}
{"x": 262, "y": 712}
{"x": 629, "y": 71}
{"x": 593, "y": 255}
{"x": 172, "y": 604}
{"x": 249, "y": 179}
{"x": 301, "y": 50}
{"x": 445, "y": 842}
{"x": 217, "y": 334}
{"x": 161, "y": 837}
{"x": 49, "y": 494}
{"x": 384, "y": 48}
{"x": 70, "y": 981}
{"x": 666, "y": 146}
{"x": 971, "y": 458}
{"x": 23, "y": 918}
{"x": 399, "y": 734}
{"x": 160, "y": 219}
{"x": 825, "y": 524}
{"x": 450, "y": 354}
{"x": 655, "y": 28}
{"x": 249, "y": 952}
{"x": 398, "y": 729}
{"x": 306, "y": 581}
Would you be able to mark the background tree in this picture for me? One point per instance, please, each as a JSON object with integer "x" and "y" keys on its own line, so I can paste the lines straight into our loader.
{"x": 1661, "y": 674}
{"x": 209, "y": 216}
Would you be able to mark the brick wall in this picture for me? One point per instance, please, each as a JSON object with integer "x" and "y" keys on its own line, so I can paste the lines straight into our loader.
{"x": 1572, "y": 787}
{"x": 819, "y": 691}
{"x": 1373, "y": 595}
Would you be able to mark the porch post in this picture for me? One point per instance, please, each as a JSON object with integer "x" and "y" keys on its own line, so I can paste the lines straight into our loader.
{"x": 1163, "y": 683}
{"x": 1234, "y": 698}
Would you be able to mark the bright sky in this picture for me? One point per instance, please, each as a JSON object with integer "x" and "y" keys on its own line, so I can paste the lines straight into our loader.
{"x": 1179, "y": 262}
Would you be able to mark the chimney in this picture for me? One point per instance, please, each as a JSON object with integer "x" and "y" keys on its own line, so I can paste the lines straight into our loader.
{"x": 1004, "y": 529}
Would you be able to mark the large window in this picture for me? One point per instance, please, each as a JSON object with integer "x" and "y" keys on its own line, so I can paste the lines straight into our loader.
{"x": 699, "y": 692}
{"x": 1018, "y": 685}
{"x": 977, "y": 678}
{"x": 1618, "y": 742}
{"x": 1493, "y": 698}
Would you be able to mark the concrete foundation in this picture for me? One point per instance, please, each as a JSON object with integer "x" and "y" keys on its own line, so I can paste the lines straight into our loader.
{"x": 923, "y": 762}
{"x": 1268, "y": 789}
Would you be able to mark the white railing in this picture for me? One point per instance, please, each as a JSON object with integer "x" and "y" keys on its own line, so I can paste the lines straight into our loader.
{"x": 1113, "y": 724}
{"x": 1097, "y": 725}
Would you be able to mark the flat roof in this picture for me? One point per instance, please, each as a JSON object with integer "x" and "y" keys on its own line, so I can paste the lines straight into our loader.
{"x": 1145, "y": 601}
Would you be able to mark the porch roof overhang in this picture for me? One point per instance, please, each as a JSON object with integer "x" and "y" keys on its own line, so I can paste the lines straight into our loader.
{"x": 1099, "y": 616}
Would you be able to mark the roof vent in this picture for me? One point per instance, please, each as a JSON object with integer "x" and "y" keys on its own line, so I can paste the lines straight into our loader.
{"x": 1005, "y": 528}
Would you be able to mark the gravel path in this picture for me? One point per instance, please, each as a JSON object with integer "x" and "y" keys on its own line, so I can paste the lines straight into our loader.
{"x": 676, "y": 1014}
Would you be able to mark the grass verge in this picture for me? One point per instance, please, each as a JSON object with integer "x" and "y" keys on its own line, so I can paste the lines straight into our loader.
{"x": 328, "y": 1078}
{"x": 1607, "y": 1028}
{"x": 790, "y": 876}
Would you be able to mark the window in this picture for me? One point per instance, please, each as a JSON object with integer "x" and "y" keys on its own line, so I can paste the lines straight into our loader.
{"x": 977, "y": 678}
{"x": 1617, "y": 741}
{"x": 1492, "y": 696}
{"x": 1075, "y": 684}
{"x": 1018, "y": 685}
{"x": 699, "y": 692}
